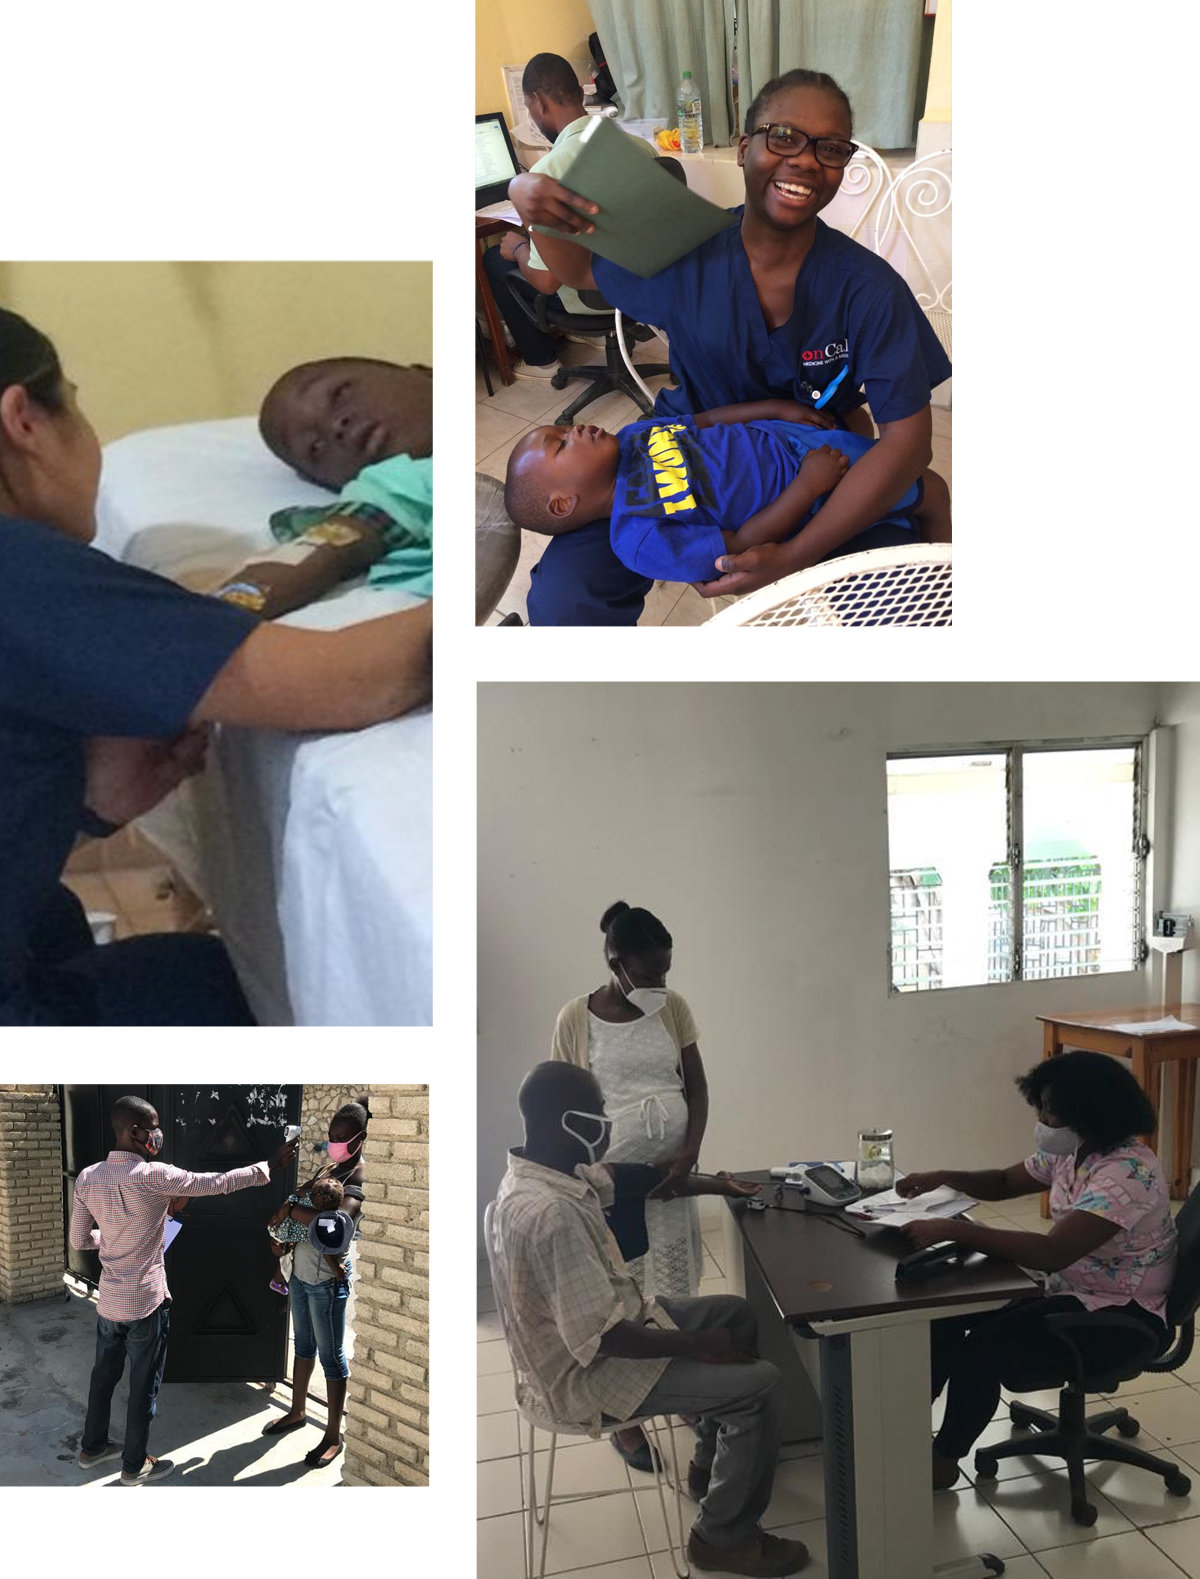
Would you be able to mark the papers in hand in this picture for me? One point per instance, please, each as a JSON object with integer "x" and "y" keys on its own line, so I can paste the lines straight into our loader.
{"x": 890, "y": 1208}
{"x": 172, "y": 1228}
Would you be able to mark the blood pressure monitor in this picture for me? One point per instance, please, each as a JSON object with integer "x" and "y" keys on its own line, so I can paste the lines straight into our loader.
{"x": 819, "y": 1182}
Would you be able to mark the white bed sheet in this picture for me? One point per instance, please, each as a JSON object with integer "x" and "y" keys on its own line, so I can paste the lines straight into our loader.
{"x": 314, "y": 851}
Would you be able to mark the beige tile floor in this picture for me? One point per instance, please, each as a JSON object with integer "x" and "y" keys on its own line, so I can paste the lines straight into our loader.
{"x": 510, "y": 413}
{"x": 1141, "y": 1533}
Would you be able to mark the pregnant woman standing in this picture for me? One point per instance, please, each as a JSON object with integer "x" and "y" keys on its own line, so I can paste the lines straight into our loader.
{"x": 639, "y": 1039}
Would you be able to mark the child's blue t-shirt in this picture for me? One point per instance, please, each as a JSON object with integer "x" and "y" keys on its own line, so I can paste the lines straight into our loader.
{"x": 679, "y": 486}
{"x": 855, "y": 328}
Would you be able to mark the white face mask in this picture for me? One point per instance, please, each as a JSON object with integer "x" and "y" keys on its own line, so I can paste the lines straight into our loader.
{"x": 1057, "y": 1140}
{"x": 597, "y": 1146}
{"x": 648, "y": 999}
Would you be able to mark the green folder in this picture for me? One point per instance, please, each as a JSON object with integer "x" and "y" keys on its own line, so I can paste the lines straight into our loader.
{"x": 647, "y": 217}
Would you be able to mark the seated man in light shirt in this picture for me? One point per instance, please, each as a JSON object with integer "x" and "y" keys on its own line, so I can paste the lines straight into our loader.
{"x": 120, "y": 1210}
{"x": 554, "y": 101}
{"x": 586, "y": 1346}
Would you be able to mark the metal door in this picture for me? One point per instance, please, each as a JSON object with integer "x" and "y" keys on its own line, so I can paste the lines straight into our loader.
{"x": 226, "y": 1323}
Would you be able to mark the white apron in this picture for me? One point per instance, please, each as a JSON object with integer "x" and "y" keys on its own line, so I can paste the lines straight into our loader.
{"x": 637, "y": 1065}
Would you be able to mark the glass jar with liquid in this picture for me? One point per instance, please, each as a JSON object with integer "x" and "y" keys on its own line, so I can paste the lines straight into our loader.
{"x": 875, "y": 1169}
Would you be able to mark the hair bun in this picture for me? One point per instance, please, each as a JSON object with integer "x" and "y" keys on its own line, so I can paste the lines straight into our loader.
{"x": 611, "y": 914}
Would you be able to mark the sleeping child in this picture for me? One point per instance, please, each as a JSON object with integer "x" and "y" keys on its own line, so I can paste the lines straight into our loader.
{"x": 364, "y": 429}
{"x": 325, "y": 1195}
{"x": 681, "y": 492}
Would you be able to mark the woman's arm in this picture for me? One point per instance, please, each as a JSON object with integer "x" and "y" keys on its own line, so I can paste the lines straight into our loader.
{"x": 285, "y": 678}
{"x": 540, "y": 200}
{"x": 870, "y": 488}
{"x": 993, "y": 1184}
{"x": 764, "y": 411}
{"x": 1076, "y": 1235}
{"x": 695, "y": 1091}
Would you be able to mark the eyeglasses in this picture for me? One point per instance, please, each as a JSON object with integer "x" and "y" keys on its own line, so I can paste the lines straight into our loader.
{"x": 833, "y": 152}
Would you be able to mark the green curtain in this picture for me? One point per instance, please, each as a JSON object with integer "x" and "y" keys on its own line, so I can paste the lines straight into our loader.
{"x": 649, "y": 44}
{"x": 871, "y": 48}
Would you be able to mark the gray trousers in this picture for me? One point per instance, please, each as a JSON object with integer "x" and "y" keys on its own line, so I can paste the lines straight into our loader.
{"x": 741, "y": 1418}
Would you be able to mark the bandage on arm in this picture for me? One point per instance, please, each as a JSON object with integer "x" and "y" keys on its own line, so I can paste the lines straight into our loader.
{"x": 300, "y": 572}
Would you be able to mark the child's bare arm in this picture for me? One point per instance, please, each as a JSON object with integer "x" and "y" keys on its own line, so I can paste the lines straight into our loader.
{"x": 294, "y": 574}
{"x": 820, "y": 471}
{"x": 763, "y": 411}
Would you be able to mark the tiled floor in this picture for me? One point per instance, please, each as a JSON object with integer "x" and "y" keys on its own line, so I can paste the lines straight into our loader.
{"x": 510, "y": 413}
{"x": 128, "y": 878}
{"x": 1141, "y": 1533}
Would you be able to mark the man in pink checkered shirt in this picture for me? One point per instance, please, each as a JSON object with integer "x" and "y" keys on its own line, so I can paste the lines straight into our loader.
{"x": 120, "y": 1210}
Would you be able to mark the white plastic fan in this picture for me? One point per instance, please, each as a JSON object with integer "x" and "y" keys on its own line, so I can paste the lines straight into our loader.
{"x": 887, "y": 586}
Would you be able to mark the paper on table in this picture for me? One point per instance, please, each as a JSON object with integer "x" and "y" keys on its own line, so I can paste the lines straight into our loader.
{"x": 890, "y": 1207}
{"x": 172, "y": 1228}
{"x": 1169, "y": 1022}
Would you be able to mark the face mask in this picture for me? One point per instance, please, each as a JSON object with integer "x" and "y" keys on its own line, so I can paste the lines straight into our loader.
{"x": 595, "y": 1147}
{"x": 648, "y": 999}
{"x": 153, "y": 1142}
{"x": 342, "y": 1150}
{"x": 1057, "y": 1140}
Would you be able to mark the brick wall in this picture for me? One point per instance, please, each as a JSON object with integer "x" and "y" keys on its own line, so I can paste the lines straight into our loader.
{"x": 31, "y": 1223}
{"x": 387, "y": 1425}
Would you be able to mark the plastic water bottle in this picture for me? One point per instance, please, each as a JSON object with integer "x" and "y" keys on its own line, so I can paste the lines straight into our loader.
{"x": 691, "y": 119}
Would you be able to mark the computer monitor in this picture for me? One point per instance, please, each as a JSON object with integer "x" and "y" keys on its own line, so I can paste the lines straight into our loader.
{"x": 495, "y": 161}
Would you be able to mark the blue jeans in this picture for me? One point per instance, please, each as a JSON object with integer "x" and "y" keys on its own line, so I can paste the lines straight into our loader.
{"x": 319, "y": 1323}
{"x": 145, "y": 1342}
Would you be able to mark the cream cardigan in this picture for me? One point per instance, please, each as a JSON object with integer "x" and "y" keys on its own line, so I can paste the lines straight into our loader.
{"x": 570, "y": 1044}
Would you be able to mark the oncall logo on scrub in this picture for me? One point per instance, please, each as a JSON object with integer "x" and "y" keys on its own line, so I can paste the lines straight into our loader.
{"x": 835, "y": 351}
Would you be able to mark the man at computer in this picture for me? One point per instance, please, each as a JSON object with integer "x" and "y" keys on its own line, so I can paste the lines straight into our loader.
{"x": 554, "y": 101}
{"x": 588, "y": 1350}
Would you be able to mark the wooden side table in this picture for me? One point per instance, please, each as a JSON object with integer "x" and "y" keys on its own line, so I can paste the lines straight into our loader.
{"x": 483, "y": 229}
{"x": 1147, "y": 1052}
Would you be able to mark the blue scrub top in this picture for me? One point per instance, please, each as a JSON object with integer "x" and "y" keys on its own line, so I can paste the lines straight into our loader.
{"x": 855, "y": 322}
{"x": 88, "y": 646}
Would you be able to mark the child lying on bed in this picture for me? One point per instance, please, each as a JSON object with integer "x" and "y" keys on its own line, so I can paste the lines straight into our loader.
{"x": 363, "y": 428}
{"x": 325, "y": 1195}
{"x": 681, "y": 492}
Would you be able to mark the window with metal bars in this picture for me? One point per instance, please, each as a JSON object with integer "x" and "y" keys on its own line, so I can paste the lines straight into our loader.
{"x": 1015, "y": 863}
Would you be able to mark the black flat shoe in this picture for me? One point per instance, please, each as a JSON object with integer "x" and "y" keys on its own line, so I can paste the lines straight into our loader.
{"x": 316, "y": 1459}
{"x": 282, "y": 1429}
{"x": 642, "y": 1457}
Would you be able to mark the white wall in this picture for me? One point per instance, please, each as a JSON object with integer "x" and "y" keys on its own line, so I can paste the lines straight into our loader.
{"x": 1181, "y": 707}
{"x": 752, "y": 819}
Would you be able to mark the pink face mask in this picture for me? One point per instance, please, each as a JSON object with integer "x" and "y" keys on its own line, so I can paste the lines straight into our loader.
{"x": 342, "y": 1150}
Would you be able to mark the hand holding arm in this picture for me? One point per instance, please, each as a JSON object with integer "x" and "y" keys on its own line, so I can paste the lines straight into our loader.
{"x": 126, "y": 776}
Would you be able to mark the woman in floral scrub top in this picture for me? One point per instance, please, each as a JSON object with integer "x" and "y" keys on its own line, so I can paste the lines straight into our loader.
{"x": 1112, "y": 1245}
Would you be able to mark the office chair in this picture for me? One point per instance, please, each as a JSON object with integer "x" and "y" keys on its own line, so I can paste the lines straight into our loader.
{"x": 530, "y": 1400}
{"x": 614, "y": 375}
{"x": 1070, "y": 1435}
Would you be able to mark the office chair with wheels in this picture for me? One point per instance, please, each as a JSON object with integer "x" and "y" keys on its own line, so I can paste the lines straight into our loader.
{"x": 1070, "y": 1435}
{"x": 535, "y": 1416}
{"x": 619, "y": 333}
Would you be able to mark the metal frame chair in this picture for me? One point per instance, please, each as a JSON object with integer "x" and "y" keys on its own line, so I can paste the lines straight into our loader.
{"x": 922, "y": 191}
{"x": 537, "y": 1513}
{"x": 885, "y": 586}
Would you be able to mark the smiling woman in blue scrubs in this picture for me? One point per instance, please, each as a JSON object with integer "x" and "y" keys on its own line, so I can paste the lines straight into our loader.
{"x": 779, "y": 306}
{"x": 108, "y": 678}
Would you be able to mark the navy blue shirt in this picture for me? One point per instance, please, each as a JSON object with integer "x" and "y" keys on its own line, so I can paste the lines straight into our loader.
{"x": 88, "y": 646}
{"x": 854, "y": 323}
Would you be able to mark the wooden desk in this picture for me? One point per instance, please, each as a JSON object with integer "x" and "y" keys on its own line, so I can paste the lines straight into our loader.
{"x": 483, "y": 229}
{"x": 868, "y": 1337}
{"x": 1147, "y": 1053}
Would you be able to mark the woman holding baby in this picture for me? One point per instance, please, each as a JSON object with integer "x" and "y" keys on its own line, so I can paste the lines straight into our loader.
{"x": 319, "y": 1287}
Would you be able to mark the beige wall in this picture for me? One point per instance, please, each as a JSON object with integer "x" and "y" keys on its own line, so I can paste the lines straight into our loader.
{"x": 752, "y": 819}
{"x": 937, "y": 94}
{"x": 510, "y": 32}
{"x": 156, "y": 343}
